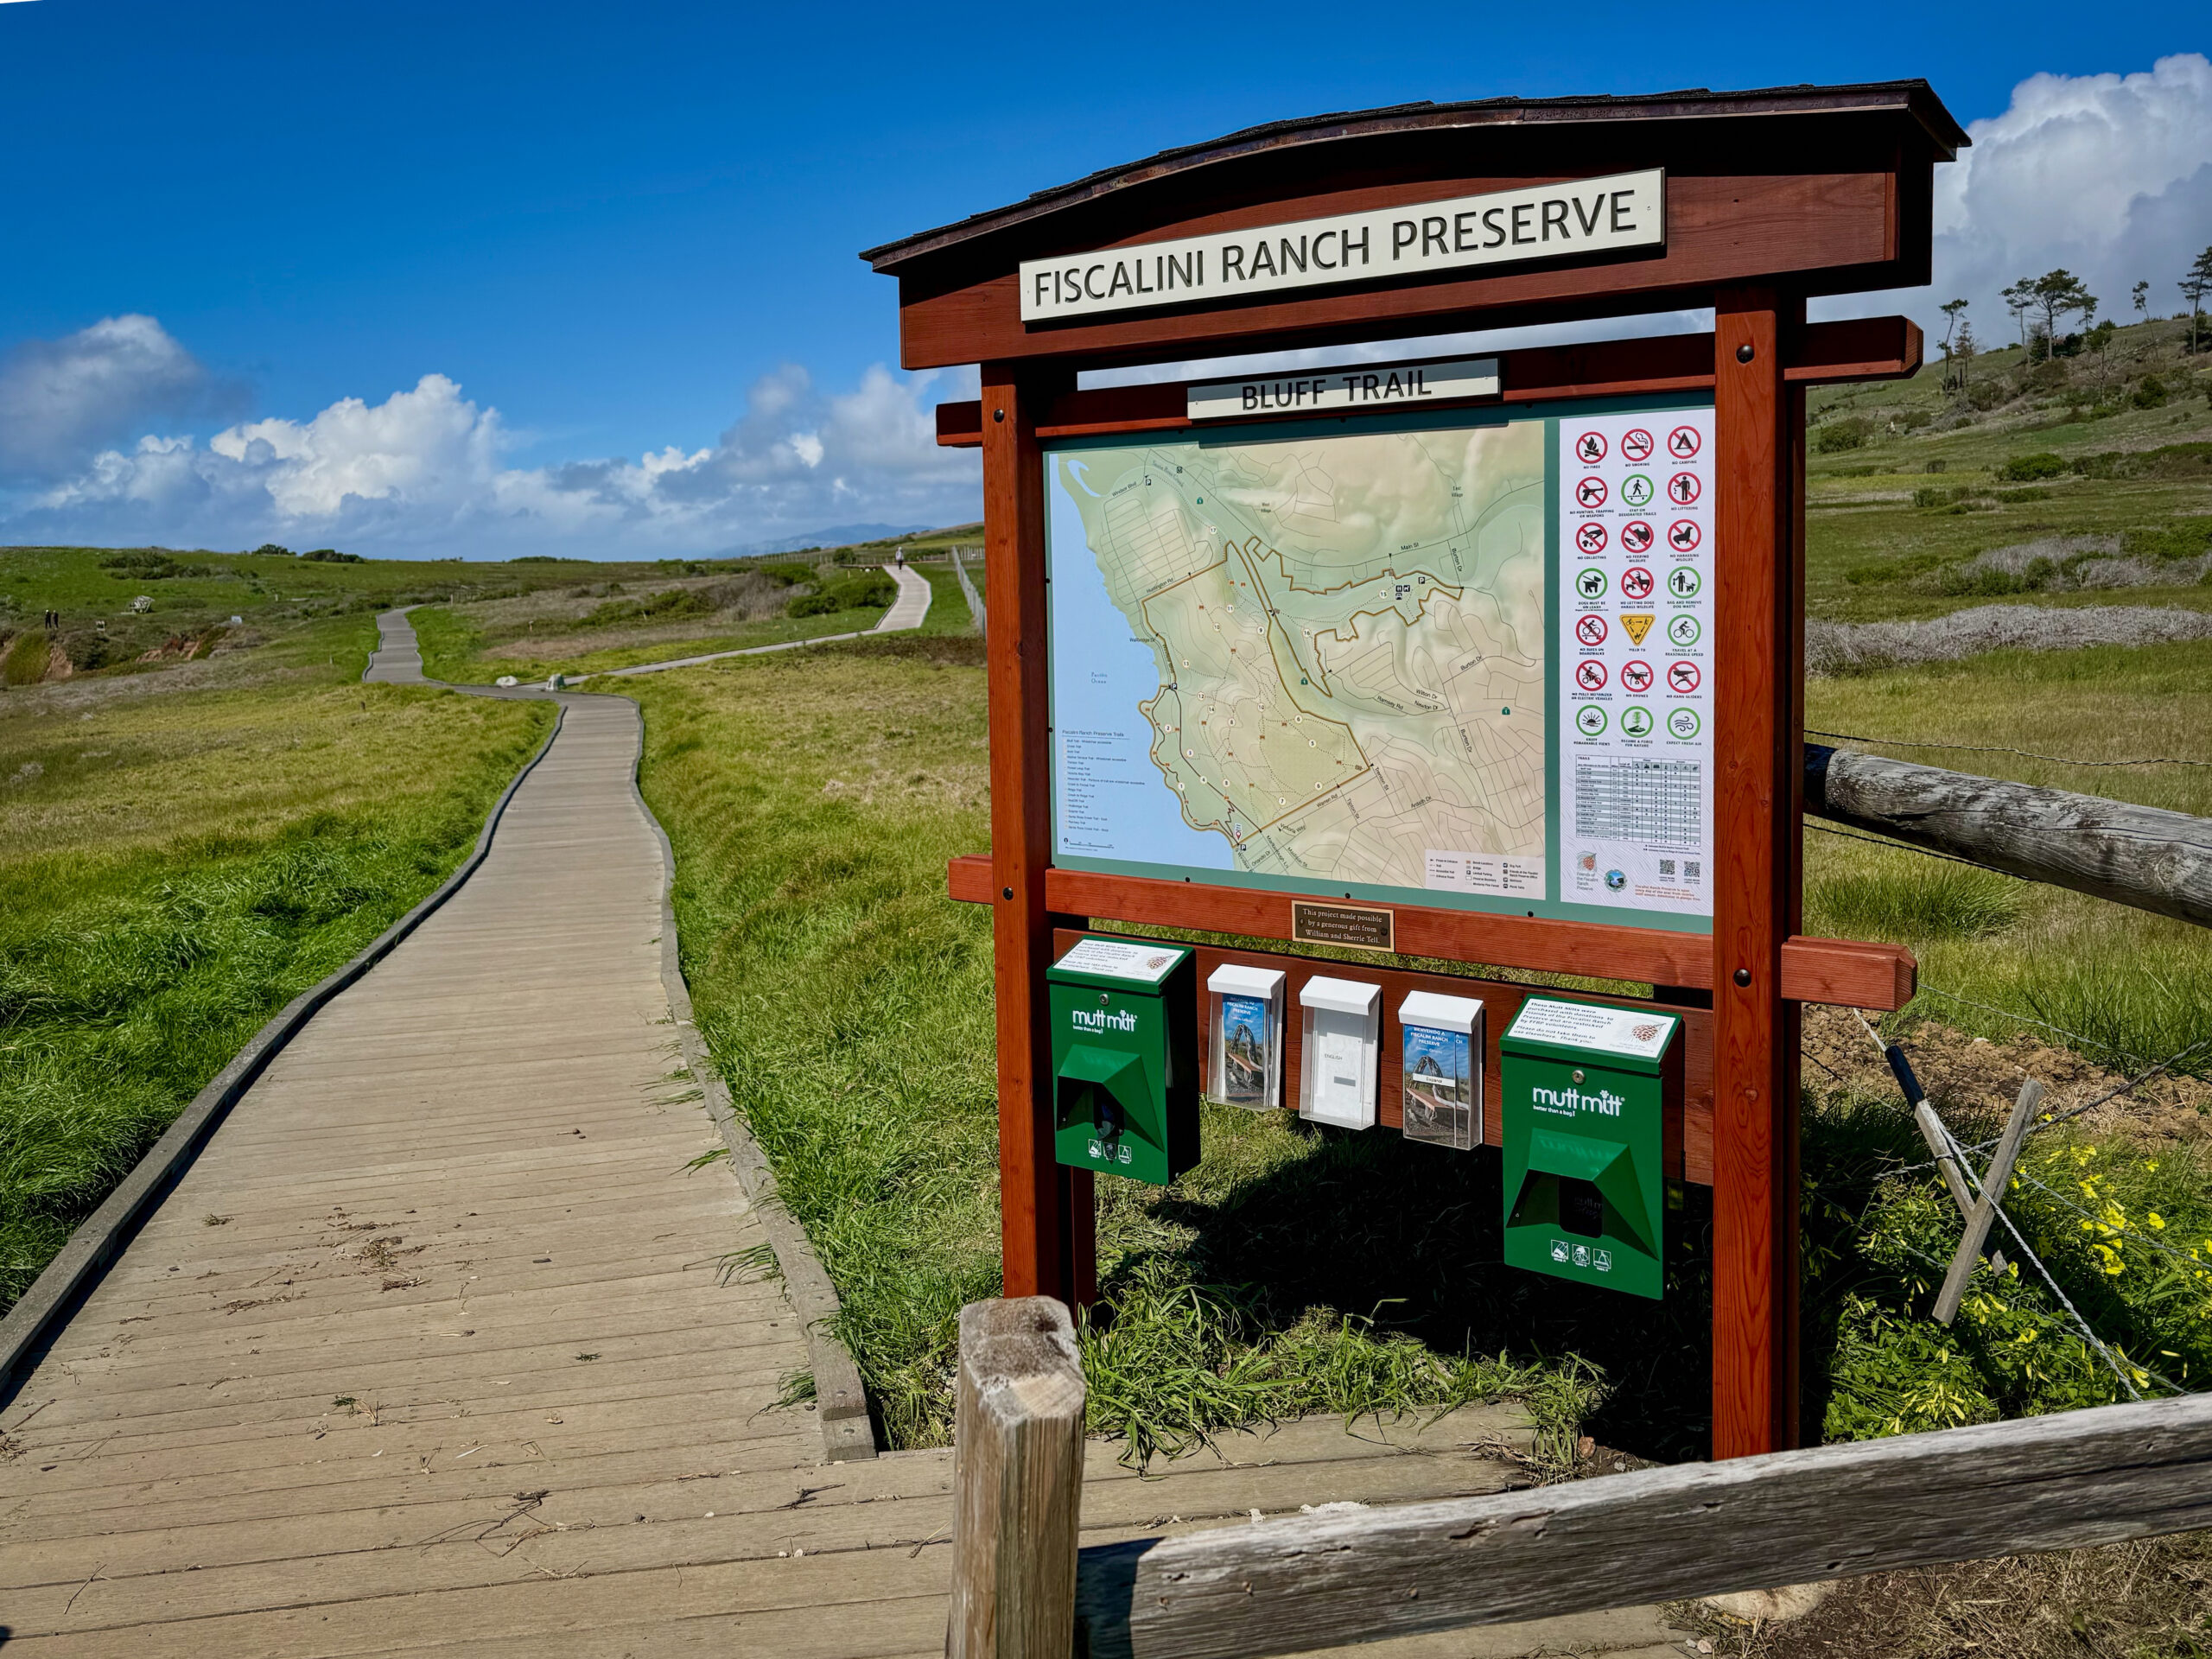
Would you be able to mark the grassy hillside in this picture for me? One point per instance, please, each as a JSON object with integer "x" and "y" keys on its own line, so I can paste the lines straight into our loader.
{"x": 1908, "y": 484}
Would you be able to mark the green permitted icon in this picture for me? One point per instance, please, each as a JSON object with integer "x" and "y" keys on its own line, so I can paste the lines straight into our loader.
{"x": 1637, "y": 491}
{"x": 1591, "y": 584}
{"x": 1590, "y": 720}
{"x": 1584, "y": 1092}
{"x": 1683, "y": 723}
{"x": 1683, "y": 630}
{"x": 1683, "y": 581}
{"x": 1636, "y": 721}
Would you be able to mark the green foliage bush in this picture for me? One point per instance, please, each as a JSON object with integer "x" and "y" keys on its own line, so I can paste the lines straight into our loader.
{"x": 2026, "y": 469}
{"x": 2172, "y": 460}
{"x": 27, "y": 658}
{"x": 1847, "y": 432}
{"x": 789, "y": 575}
{"x": 2150, "y": 393}
{"x": 332, "y": 556}
{"x": 860, "y": 590}
{"x": 145, "y": 564}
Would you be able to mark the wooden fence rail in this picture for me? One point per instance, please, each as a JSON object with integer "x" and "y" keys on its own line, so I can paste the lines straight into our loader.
{"x": 1311, "y": 1581}
{"x": 2140, "y": 855}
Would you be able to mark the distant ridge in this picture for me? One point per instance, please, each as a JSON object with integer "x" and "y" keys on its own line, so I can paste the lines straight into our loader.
{"x": 829, "y": 536}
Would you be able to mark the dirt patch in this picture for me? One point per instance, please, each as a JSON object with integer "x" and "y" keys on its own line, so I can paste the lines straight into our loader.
{"x": 2125, "y": 1601}
{"x": 1970, "y": 1079}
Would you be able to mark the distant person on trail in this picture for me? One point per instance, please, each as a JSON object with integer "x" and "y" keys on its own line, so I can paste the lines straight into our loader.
{"x": 899, "y": 557}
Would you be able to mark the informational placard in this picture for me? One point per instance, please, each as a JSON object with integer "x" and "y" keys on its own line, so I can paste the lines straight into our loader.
{"x": 1438, "y": 659}
{"x": 1147, "y": 965}
{"x": 1637, "y": 1031}
{"x": 1635, "y": 495}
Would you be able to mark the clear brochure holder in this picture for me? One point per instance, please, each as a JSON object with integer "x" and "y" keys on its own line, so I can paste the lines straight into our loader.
{"x": 1244, "y": 1056}
{"x": 1442, "y": 1077}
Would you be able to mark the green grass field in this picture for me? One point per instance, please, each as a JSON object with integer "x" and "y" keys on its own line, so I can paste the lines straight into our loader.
{"x": 177, "y": 862}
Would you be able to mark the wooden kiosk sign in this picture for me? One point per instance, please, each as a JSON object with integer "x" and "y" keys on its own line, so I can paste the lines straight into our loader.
{"x": 1492, "y": 659}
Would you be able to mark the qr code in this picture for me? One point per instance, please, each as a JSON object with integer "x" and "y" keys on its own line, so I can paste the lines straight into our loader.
{"x": 1692, "y": 869}
{"x": 1665, "y": 867}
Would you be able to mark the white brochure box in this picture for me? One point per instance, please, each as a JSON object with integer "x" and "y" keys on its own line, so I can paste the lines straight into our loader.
{"x": 1342, "y": 1046}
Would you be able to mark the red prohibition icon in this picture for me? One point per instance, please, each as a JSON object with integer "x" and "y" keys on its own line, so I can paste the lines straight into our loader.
{"x": 1635, "y": 536}
{"x": 1635, "y": 676}
{"x": 1590, "y": 448}
{"x": 1684, "y": 488}
{"x": 1590, "y": 537}
{"x": 1590, "y": 493}
{"x": 1636, "y": 444}
{"x": 1682, "y": 678}
{"x": 1682, "y": 535}
{"x": 1637, "y": 583}
{"x": 1590, "y": 676}
{"x": 1683, "y": 443}
{"x": 1591, "y": 631}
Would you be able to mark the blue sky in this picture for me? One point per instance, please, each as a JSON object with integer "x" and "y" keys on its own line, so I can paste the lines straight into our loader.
{"x": 616, "y": 232}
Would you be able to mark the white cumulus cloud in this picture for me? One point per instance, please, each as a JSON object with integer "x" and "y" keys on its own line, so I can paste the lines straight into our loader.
{"x": 59, "y": 399}
{"x": 2109, "y": 176}
{"x": 427, "y": 471}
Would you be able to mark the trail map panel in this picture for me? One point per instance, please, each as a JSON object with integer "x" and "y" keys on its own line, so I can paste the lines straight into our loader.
{"x": 1318, "y": 662}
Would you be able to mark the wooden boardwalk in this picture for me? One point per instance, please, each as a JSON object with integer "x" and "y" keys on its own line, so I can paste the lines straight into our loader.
{"x": 430, "y": 1350}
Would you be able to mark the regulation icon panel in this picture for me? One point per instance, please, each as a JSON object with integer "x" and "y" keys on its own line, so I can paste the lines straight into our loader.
{"x": 1635, "y": 788}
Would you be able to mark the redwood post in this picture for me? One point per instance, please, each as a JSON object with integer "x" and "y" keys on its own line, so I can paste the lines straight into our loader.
{"x": 1757, "y": 735}
{"x": 1041, "y": 1232}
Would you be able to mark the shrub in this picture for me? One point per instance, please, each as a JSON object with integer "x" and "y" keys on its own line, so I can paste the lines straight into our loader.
{"x": 25, "y": 664}
{"x": 1937, "y": 467}
{"x": 2026, "y": 469}
{"x": 1986, "y": 395}
{"x": 789, "y": 575}
{"x": 145, "y": 564}
{"x": 860, "y": 590}
{"x": 1932, "y": 496}
{"x": 271, "y": 549}
{"x": 1834, "y": 437}
{"x": 2150, "y": 393}
{"x": 332, "y": 556}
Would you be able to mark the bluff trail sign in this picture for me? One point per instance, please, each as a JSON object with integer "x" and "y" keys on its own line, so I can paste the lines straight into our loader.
{"x": 1503, "y": 655}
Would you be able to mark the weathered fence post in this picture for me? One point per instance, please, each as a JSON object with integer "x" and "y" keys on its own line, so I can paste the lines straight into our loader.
{"x": 1017, "y": 1482}
{"x": 1985, "y": 1210}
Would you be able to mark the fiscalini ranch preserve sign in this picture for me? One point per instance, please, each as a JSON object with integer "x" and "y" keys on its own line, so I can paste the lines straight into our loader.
{"x": 1581, "y": 217}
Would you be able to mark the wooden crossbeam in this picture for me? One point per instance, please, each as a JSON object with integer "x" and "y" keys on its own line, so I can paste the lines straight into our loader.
{"x": 1317, "y": 1581}
{"x": 1847, "y": 972}
{"x": 1826, "y": 353}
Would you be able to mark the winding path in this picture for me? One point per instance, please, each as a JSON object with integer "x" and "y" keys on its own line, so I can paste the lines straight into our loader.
{"x": 442, "y": 1346}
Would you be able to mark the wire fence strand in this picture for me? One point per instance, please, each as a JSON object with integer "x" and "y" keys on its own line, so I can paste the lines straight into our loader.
{"x": 1998, "y": 749}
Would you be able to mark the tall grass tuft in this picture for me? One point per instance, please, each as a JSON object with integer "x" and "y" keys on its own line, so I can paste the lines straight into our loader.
{"x": 1931, "y": 900}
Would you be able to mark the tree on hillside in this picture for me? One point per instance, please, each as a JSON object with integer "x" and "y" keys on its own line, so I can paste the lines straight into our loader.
{"x": 1953, "y": 316}
{"x": 2019, "y": 300}
{"x": 2099, "y": 340}
{"x": 2143, "y": 300}
{"x": 2194, "y": 287}
{"x": 1962, "y": 353}
{"x": 2059, "y": 294}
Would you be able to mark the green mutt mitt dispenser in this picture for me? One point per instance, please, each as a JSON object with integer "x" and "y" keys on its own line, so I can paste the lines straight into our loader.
{"x": 1584, "y": 1089}
{"x": 1125, "y": 1062}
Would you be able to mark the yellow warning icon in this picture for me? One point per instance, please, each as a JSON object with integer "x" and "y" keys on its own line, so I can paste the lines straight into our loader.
{"x": 1637, "y": 626}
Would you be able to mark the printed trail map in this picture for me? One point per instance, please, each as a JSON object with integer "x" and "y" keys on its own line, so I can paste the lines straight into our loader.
{"x": 1311, "y": 658}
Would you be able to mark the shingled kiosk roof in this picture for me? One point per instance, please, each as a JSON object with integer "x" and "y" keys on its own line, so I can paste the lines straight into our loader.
{"x": 1914, "y": 98}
